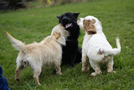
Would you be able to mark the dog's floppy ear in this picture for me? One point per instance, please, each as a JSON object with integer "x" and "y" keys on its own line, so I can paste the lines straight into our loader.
{"x": 89, "y": 26}
{"x": 58, "y": 17}
{"x": 56, "y": 35}
{"x": 76, "y": 15}
{"x": 59, "y": 38}
{"x": 93, "y": 21}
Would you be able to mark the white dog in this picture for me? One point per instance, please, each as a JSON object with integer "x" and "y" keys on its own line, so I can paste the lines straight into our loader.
{"x": 37, "y": 55}
{"x": 96, "y": 49}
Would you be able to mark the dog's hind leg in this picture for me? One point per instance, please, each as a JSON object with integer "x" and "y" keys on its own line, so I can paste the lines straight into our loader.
{"x": 96, "y": 67}
{"x": 20, "y": 66}
{"x": 110, "y": 66}
{"x": 18, "y": 69}
{"x": 37, "y": 72}
{"x": 57, "y": 67}
{"x": 85, "y": 62}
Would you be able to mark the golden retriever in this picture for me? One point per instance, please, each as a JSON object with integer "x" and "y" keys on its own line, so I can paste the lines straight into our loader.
{"x": 37, "y": 55}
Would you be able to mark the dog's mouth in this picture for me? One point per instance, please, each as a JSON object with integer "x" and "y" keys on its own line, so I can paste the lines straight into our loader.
{"x": 68, "y": 25}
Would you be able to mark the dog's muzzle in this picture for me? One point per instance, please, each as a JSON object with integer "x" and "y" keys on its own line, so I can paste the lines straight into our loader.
{"x": 66, "y": 23}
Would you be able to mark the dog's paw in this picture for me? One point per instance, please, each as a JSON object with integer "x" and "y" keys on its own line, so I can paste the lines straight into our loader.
{"x": 112, "y": 71}
{"x": 93, "y": 74}
{"x": 39, "y": 84}
{"x": 59, "y": 73}
{"x": 85, "y": 70}
{"x": 72, "y": 65}
{"x": 17, "y": 79}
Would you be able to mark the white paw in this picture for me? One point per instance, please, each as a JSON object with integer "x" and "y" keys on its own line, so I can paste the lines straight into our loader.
{"x": 93, "y": 74}
{"x": 59, "y": 73}
{"x": 112, "y": 72}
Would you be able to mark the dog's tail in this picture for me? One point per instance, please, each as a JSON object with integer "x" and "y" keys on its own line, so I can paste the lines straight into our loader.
{"x": 117, "y": 50}
{"x": 16, "y": 43}
{"x": 113, "y": 51}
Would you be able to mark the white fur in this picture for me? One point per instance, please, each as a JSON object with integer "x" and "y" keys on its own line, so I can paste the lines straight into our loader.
{"x": 37, "y": 55}
{"x": 96, "y": 49}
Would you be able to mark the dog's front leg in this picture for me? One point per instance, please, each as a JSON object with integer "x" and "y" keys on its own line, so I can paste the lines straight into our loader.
{"x": 85, "y": 62}
{"x": 73, "y": 58}
{"x": 57, "y": 68}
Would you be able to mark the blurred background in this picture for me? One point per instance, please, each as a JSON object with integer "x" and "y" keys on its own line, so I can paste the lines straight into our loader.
{"x": 33, "y": 20}
{"x": 17, "y": 4}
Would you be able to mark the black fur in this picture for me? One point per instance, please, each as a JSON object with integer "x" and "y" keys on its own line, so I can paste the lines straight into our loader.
{"x": 71, "y": 52}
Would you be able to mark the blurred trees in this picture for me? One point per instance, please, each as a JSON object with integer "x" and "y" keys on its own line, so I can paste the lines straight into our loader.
{"x": 12, "y": 4}
{"x": 55, "y": 2}
{"x": 72, "y": 1}
{"x": 16, "y": 4}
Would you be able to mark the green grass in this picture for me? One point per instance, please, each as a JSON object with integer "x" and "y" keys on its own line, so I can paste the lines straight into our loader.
{"x": 117, "y": 17}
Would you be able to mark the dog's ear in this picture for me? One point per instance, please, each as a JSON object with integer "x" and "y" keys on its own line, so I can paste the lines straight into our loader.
{"x": 89, "y": 26}
{"x": 60, "y": 39}
{"x": 56, "y": 35}
{"x": 58, "y": 17}
{"x": 93, "y": 21}
{"x": 76, "y": 15}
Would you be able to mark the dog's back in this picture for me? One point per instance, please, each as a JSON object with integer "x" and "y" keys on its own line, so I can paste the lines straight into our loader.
{"x": 47, "y": 48}
{"x": 95, "y": 44}
{"x": 100, "y": 47}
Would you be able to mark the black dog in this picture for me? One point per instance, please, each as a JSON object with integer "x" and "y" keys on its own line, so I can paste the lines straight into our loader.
{"x": 71, "y": 52}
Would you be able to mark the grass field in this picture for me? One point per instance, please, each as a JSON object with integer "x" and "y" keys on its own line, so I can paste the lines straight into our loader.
{"x": 117, "y": 17}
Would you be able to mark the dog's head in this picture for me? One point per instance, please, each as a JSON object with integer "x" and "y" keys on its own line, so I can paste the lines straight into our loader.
{"x": 67, "y": 19}
{"x": 89, "y": 24}
{"x": 60, "y": 34}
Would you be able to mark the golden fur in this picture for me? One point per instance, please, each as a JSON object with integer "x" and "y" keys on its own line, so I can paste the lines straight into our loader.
{"x": 89, "y": 26}
{"x": 37, "y": 55}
